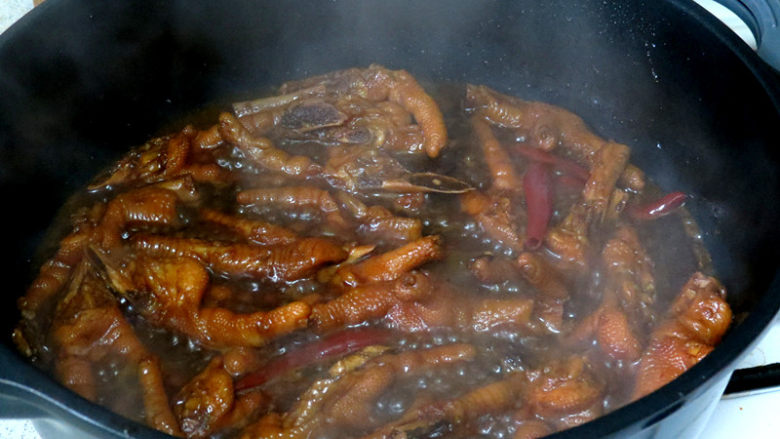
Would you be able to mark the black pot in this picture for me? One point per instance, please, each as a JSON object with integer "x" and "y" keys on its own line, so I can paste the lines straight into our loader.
{"x": 83, "y": 81}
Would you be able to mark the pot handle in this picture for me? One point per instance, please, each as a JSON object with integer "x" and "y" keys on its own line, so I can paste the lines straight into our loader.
{"x": 763, "y": 19}
{"x": 754, "y": 378}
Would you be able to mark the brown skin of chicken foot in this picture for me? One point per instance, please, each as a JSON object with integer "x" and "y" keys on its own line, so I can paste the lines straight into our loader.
{"x": 562, "y": 389}
{"x": 184, "y": 153}
{"x": 306, "y": 414}
{"x": 488, "y": 314}
{"x": 87, "y": 328}
{"x": 391, "y": 265}
{"x": 378, "y": 83}
{"x": 148, "y": 206}
{"x": 295, "y": 197}
{"x": 371, "y": 301}
{"x": 545, "y": 126}
{"x": 262, "y": 152}
{"x": 697, "y": 320}
{"x": 76, "y": 374}
{"x": 625, "y": 257}
{"x": 548, "y": 127}
{"x": 501, "y": 168}
{"x": 569, "y": 240}
{"x": 372, "y": 106}
{"x": 442, "y": 310}
{"x": 207, "y": 403}
{"x": 608, "y": 165}
{"x": 632, "y": 178}
{"x": 380, "y": 223}
{"x": 541, "y": 275}
{"x": 494, "y": 215}
{"x": 169, "y": 292}
{"x": 290, "y": 196}
{"x": 351, "y": 405}
{"x": 409, "y": 94}
{"x": 158, "y": 411}
{"x": 494, "y": 270}
{"x": 344, "y": 402}
{"x": 283, "y": 262}
{"x": 54, "y": 274}
{"x": 492, "y": 397}
{"x": 616, "y": 337}
{"x": 256, "y": 231}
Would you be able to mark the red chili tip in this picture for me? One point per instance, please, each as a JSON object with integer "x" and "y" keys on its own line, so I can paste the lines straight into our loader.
{"x": 533, "y": 243}
{"x": 335, "y": 345}
{"x": 538, "y": 200}
{"x": 564, "y": 165}
{"x": 662, "y": 207}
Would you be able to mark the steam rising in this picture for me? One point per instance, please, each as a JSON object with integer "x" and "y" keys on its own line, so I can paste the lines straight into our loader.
{"x": 104, "y": 76}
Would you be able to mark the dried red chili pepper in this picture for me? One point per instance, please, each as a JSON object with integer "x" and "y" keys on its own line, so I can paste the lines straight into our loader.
{"x": 564, "y": 165}
{"x": 537, "y": 184}
{"x": 342, "y": 343}
{"x": 664, "y": 206}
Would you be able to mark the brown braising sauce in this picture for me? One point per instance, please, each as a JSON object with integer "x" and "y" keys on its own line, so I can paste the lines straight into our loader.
{"x": 355, "y": 257}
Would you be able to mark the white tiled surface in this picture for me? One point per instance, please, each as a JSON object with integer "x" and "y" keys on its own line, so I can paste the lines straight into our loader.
{"x": 17, "y": 429}
{"x": 753, "y": 415}
{"x": 748, "y": 416}
{"x": 11, "y": 10}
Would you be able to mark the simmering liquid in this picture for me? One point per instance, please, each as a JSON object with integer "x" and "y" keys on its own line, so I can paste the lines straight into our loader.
{"x": 355, "y": 256}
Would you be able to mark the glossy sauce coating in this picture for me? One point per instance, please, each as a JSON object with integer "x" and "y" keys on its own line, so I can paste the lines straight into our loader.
{"x": 355, "y": 256}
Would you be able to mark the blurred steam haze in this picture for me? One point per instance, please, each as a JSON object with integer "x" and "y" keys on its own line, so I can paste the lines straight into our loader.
{"x": 105, "y": 76}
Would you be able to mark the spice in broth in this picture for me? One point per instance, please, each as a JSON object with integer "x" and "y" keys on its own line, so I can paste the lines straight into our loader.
{"x": 355, "y": 257}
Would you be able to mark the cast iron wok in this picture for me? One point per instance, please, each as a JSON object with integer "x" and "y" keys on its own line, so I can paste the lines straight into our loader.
{"x": 83, "y": 81}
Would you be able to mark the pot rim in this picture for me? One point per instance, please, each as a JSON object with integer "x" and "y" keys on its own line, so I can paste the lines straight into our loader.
{"x": 20, "y": 377}
{"x": 739, "y": 340}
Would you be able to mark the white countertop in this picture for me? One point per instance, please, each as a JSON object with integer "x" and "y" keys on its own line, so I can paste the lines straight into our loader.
{"x": 753, "y": 415}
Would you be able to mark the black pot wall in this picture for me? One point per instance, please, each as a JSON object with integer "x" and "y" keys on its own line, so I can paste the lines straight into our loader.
{"x": 83, "y": 81}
